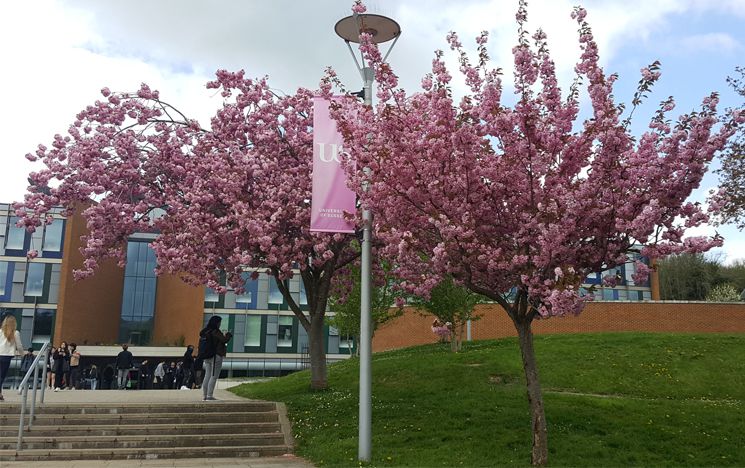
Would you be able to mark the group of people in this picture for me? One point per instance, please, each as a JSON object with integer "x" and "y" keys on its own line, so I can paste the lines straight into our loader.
{"x": 200, "y": 371}
{"x": 167, "y": 375}
{"x": 64, "y": 369}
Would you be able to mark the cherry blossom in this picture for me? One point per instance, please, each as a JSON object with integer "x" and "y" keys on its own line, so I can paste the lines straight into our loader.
{"x": 522, "y": 203}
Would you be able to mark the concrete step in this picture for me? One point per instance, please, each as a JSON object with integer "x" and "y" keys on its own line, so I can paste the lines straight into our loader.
{"x": 241, "y": 451}
{"x": 116, "y": 408}
{"x": 144, "y": 441}
{"x": 140, "y": 418}
{"x": 145, "y": 429}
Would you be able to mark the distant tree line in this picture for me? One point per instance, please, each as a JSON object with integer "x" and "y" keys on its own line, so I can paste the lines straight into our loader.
{"x": 698, "y": 277}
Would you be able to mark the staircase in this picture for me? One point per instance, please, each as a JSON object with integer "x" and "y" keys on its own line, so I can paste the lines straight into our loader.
{"x": 107, "y": 431}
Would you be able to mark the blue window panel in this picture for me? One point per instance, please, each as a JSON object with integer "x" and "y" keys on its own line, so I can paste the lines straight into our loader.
{"x": 35, "y": 279}
{"x": 275, "y": 295}
{"x": 53, "y": 237}
{"x": 16, "y": 236}
{"x": 303, "y": 296}
{"x": 138, "y": 299}
{"x": 6, "y": 280}
{"x": 248, "y": 299}
{"x": 210, "y": 295}
{"x": 594, "y": 278}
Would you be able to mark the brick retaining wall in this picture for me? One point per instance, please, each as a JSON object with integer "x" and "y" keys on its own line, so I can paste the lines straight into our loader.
{"x": 413, "y": 328}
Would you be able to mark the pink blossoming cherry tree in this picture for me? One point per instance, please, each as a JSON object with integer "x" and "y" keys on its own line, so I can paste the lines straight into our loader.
{"x": 234, "y": 196}
{"x": 520, "y": 203}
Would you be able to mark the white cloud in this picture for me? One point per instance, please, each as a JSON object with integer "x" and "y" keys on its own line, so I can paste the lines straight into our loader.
{"x": 711, "y": 42}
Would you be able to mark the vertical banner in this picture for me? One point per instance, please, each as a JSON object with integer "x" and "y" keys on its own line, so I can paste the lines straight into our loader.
{"x": 331, "y": 197}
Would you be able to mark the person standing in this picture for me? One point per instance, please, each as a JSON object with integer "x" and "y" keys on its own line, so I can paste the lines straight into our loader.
{"x": 74, "y": 367}
{"x": 93, "y": 376}
{"x": 50, "y": 369}
{"x": 27, "y": 360}
{"x": 179, "y": 376}
{"x": 170, "y": 376}
{"x": 123, "y": 365}
{"x": 65, "y": 366}
{"x": 198, "y": 372}
{"x": 215, "y": 350}
{"x": 159, "y": 373}
{"x": 10, "y": 346}
{"x": 145, "y": 375}
{"x": 59, "y": 358}
{"x": 188, "y": 366}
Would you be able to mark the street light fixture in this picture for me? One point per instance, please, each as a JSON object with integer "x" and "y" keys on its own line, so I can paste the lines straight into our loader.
{"x": 382, "y": 29}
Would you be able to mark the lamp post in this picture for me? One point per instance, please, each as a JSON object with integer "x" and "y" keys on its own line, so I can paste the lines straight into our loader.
{"x": 382, "y": 29}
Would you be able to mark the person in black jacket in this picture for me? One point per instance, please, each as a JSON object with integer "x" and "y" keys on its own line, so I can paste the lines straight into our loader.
{"x": 170, "y": 376}
{"x": 123, "y": 365}
{"x": 188, "y": 366}
{"x": 215, "y": 352}
{"x": 145, "y": 375}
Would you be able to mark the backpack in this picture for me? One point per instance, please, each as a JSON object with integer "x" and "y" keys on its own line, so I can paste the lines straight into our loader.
{"x": 207, "y": 346}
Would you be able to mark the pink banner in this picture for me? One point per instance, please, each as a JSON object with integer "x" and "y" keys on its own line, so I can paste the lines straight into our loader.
{"x": 331, "y": 197}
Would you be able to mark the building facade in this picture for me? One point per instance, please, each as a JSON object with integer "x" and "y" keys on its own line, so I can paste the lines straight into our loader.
{"x": 159, "y": 316}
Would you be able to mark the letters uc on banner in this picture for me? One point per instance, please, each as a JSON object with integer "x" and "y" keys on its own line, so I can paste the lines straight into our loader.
{"x": 331, "y": 197}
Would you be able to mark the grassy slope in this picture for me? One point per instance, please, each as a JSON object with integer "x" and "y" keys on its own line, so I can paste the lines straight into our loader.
{"x": 611, "y": 399}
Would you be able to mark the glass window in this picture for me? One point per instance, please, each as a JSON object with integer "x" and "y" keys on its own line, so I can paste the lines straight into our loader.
{"x": 275, "y": 295}
{"x": 253, "y": 331}
{"x": 248, "y": 294}
{"x": 346, "y": 344}
{"x": 284, "y": 333}
{"x": 53, "y": 236}
{"x": 3, "y": 277}
{"x": 138, "y": 298}
{"x": 607, "y": 294}
{"x": 245, "y": 298}
{"x": 16, "y": 236}
{"x": 303, "y": 296}
{"x": 210, "y": 295}
{"x": 35, "y": 279}
{"x": 43, "y": 325}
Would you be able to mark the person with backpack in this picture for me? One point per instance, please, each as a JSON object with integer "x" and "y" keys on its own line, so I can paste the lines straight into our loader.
{"x": 212, "y": 350}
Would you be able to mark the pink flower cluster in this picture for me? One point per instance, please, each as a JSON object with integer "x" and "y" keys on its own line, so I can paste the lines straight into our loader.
{"x": 520, "y": 203}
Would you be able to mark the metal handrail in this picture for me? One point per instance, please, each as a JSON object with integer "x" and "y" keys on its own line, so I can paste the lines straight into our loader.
{"x": 23, "y": 390}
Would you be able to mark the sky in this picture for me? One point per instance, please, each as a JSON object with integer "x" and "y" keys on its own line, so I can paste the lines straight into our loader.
{"x": 58, "y": 54}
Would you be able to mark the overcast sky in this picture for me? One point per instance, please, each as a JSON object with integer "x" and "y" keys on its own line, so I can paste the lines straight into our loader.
{"x": 57, "y": 54}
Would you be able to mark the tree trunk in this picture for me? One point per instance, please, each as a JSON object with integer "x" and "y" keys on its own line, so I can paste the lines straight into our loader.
{"x": 539, "y": 455}
{"x": 318, "y": 374}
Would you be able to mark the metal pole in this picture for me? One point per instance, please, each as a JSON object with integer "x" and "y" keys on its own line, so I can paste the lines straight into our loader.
{"x": 21, "y": 416}
{"x": 33, "y": 397}
{"x": 365, "y": 415}
{"x": 45, "y": 375}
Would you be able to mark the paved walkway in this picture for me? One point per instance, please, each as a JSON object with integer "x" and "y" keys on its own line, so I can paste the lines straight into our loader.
{"x": 120, "y": 396}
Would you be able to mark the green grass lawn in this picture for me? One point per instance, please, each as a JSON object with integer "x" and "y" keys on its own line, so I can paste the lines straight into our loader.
{"x": 629, "y": 399}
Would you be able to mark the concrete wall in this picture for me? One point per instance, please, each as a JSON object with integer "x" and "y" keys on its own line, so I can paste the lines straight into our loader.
{"x": 88, "y": 310}
{"x": 413, "y": 328}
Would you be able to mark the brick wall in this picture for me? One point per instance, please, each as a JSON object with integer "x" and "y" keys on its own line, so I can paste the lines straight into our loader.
{"x": 413, "y": 328}
{"x": 179, "y": 312}
{"x": 88, "y": 310}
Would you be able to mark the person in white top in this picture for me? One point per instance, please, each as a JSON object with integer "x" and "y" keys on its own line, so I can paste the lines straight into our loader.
{"x": 10, "y": 346}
